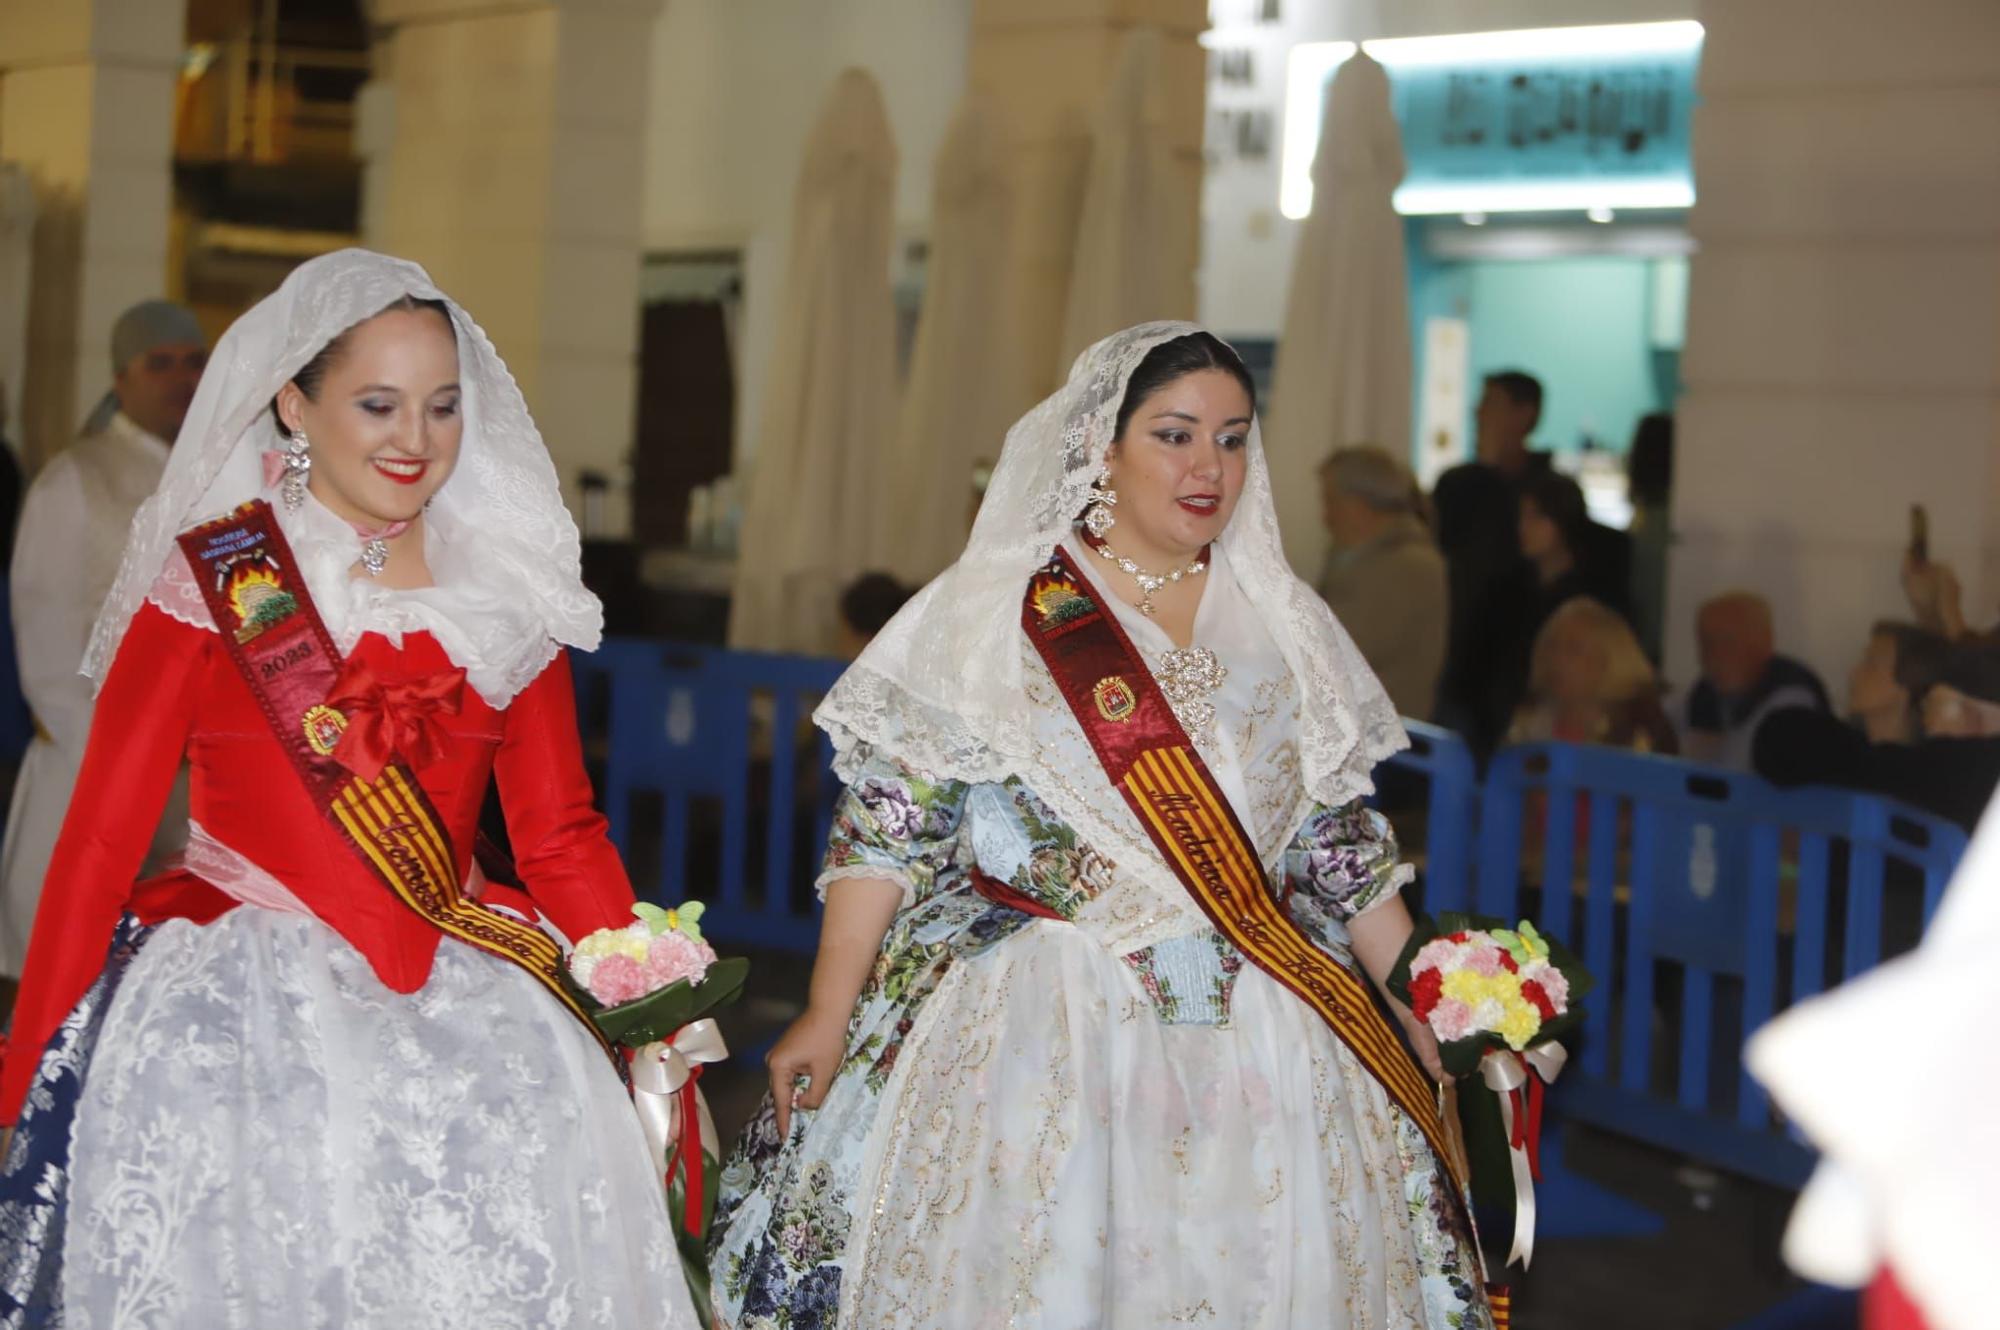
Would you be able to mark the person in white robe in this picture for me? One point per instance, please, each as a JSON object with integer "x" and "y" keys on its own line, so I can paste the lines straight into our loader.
{"x": 66, "y": 550}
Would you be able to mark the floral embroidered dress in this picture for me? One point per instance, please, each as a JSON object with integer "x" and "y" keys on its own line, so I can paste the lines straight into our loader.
{"x": 1067, "y": 1101}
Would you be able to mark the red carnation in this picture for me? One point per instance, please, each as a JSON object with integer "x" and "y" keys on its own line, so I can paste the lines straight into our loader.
{"x": 1507, "y": 963}
{"x": 1425, "y": 990}
{"x": 1532, "y": 991}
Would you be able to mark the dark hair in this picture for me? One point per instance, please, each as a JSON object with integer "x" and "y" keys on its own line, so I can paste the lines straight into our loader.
{"x": 1172, "y": 360}
{"x": 870, "y": 601}
{"x": 313, "y": 372}
{"x": 1518, "y": 386}
{"x": 1561, "y": 501}
{"x": 1649, "y": 467}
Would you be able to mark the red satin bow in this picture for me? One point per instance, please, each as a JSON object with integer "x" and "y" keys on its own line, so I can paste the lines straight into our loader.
{"x": 392, "y": 718}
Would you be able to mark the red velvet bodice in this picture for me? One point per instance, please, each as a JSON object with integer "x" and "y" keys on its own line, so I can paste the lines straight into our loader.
{"x": 173, "y": 691}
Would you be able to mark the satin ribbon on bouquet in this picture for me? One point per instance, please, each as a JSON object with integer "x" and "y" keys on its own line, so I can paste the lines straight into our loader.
{"x": 1518, "y": 1079}
{"x": 663, "y": 1089}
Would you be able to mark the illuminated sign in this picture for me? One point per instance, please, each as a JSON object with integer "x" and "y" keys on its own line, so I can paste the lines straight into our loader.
{"x": 1547, "y": 120}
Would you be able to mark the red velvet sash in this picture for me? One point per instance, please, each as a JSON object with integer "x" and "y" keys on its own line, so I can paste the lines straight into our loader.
{"x": 1149, "y": 757}
{"x": 258, "y": 599}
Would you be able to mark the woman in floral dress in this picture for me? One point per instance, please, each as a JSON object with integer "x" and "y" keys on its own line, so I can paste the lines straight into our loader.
{"x": 1045, "y": 1078}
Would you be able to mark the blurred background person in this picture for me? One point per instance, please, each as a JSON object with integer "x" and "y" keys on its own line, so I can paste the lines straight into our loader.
{"x": 866, "y": 606}
{"x": 1649, "y": 478}
{"x": 1384, "y": 577}
{"x": 1743, "y": 682}
{"x": 1590, "y": 683}
{"x": 1887, "y": 749}
{"x": 72, "y": 531}
{"x": 1552, "y": 535}
{"x": 1476, "y": 508}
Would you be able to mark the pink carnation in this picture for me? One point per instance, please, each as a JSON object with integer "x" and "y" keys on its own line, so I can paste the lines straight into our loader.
{"x": 618, "y": 979}
{"x": 673, "y": 956}
{"x": 1451, "y": 1020}
{"x": 1556, "y": 986}
{"x": 1440, "y": 953}
{"x": 1485, "y": 960}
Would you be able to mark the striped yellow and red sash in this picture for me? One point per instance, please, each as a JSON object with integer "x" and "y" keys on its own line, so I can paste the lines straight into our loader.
{"x": 1148, "y": 756}
{"x": 258, "y": 598}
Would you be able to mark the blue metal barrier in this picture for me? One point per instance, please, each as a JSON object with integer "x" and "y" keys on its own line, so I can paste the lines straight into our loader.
{"x": 1742, "y": 897}
{"x": 1703, "y": 900}
{"x": 1444, "y": 763}
{"x": 720, "y": 742}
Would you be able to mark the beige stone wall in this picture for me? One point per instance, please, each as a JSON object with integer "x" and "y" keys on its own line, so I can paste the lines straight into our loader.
{"x": 503, "y": 147}
{"x": 1843, "y": 348}
{"x": 86, "y": 108}
{"x": 1045, "y": 64}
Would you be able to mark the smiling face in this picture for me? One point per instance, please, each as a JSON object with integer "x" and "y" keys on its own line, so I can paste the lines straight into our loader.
{"x": 384, "y": 422}
{"x": 1179, "y": 467}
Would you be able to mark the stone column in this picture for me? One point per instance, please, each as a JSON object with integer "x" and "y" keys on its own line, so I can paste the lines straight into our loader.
{"x": 503, "y": 142}
{"x": 86, "y": 109}
{"x": 1843, "y": 349}
{"x": 1045, "y": 65}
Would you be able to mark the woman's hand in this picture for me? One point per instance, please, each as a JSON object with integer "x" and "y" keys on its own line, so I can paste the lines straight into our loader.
{"x": 811, "y": 1047}
{"x": 1424, "y": 1042}
{"x": 858, "y": 911}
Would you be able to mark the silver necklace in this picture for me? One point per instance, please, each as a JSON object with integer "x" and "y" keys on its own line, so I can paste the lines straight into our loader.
{"x": 1150, "y": 582}
{"x": 375, "y": 555}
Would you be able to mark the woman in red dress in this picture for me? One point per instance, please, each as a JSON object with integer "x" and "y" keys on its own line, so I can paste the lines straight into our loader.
{"x": 269, "y": 1089}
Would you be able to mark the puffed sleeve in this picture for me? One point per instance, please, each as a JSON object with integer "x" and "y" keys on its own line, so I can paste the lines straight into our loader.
{"x": 562, "y": 847}
{"x": 895, "y": 825}
{"x": 137, "y": 741}
{"x": 1343, "y": 863}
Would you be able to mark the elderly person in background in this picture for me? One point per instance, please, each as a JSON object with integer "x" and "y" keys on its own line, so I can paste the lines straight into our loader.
{"x": 1589, "y": 682}
{"x": 1918, "y": 736}
{"x": 1384, "y": 577}
{"x": 1743, "y": 681}
{"x": 72, "y": 531}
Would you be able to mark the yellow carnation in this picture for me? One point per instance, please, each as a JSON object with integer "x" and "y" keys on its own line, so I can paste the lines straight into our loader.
{"x": 613, "y": 942}
{"x": 1520, "y": 1024}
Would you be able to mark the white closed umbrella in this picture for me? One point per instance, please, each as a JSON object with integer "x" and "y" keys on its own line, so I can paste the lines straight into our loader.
{"x": 1343, "y": 369}
{"x": 1133, "y": 258}
{"x": 956, "y": 407}
{"x": 818, "y": 480}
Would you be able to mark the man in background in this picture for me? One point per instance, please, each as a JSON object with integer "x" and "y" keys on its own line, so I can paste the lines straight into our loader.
{"x": 1477, "y": 511}
{"x": 1743, "y": 682}
{"x": 1384, "y": 577}
{"x": 71, "y": 535}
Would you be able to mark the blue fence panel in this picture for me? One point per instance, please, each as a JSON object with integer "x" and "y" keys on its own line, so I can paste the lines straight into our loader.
{"x": 1443, "y": 761}
{"x": 1694, "y": 894}
{"x": 720, "y": 743}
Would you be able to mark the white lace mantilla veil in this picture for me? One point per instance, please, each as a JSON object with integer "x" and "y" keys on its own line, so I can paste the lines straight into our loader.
{"x": 941, "y": 688}
{"x": 498, "y": 521}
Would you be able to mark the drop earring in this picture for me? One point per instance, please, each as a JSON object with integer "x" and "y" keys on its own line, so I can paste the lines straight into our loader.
{"x": 298, "y": 466}
{"x": 1098, "y": 518}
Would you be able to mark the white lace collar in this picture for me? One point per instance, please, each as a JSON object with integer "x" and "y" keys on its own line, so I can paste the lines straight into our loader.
{"x": 480, "y": 620}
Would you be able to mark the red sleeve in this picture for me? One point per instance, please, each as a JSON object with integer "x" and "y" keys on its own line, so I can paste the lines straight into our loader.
{"x": 562, "y": 849}
{"x": 138, "y": 737}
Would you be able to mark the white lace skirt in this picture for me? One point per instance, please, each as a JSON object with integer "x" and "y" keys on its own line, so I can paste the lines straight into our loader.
{"x": 1050, "y": 1154}
{"x": 268, "y": 1136}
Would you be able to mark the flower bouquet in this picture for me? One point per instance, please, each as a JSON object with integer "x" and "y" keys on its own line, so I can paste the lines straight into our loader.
{"x": 651, "y": 986}
{"x": 1496, "y": 998}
